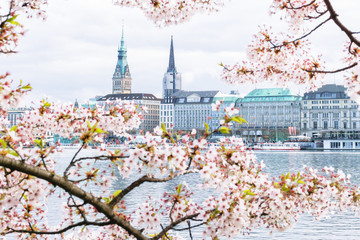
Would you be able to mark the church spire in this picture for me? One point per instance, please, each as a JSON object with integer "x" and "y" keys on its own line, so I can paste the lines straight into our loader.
{"x": 171, "y": 67}
{"x": 172, "y": 79}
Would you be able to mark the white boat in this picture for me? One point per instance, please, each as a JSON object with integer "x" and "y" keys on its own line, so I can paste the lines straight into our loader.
{"x": 279, "y": 146}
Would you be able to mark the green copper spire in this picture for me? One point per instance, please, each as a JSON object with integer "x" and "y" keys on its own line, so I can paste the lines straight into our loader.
{"x": 122, "y": 56}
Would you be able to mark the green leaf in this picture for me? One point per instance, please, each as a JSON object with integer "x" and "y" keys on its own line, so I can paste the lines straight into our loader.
{"x": 3, "y": 143}
{"x": 88, "y": 124}
{"x": 24, "y": 196}
{"x": 15, "y": 154}
{"x": 39, "y": 142}
{"x": 287, "y": 175}
{"x": 206, "y": 127}
{"x": 12, "y": 20}
{"x": 163, "y": 127}
{"x": 14, "y": 128}
{"x": 301, "y": 181}
{"x": 27, "y": 87}
{"x": 248, "y": 192}
{"x": 298, "y": 175}
{"x": 238, "y": 119}
{"x": 116, "y": 193}
{"x": 98, "y": 130}
{"x": 178, "y": 189}
{"x": 225, "y": 130}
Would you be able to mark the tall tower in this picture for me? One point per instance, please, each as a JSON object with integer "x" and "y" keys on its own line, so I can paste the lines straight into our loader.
{"x": 172, "y": 79}
{"x": 122, "y": 78}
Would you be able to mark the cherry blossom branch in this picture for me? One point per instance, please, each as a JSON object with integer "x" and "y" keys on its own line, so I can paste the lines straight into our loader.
{"x": 302, "y": 37}
{"x": 292, "y": 7}
{"x": 173, "y": 224}
{"x": 334, "y": 71}
{"x": 334, "y": 17}
{"x": 71, "y": 164}
{"x": 82, "y": 223}
{"x": 140, "y": 181}
{"x": 72, "y": 189}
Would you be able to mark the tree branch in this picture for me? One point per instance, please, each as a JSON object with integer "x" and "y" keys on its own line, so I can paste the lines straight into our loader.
{"x": 86, "y": 223}
{"x": 72, "y": 189}
{"x": 173, "y": 224}
{"x": 334, "y": 17}
{"x": 334, "y": 71}
{"x": 140, "y": 181}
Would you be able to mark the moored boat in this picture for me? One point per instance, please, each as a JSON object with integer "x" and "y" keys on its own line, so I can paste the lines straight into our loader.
{"x": 279, "y": 146}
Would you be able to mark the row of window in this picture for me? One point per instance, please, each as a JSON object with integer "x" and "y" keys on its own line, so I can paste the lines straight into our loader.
{"x": 334, "y": 115}
{"x": 326, "y": 125}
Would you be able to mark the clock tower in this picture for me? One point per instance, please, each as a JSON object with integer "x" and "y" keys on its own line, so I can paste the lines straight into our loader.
{"x": 121, "y": 81}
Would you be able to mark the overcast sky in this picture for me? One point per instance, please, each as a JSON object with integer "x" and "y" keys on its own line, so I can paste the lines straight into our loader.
{"x": 72, "y": 55}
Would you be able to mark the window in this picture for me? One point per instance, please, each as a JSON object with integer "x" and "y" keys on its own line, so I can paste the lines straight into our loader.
{"x": 315, "y": 115}
{"x": 336, "y": 115}
{"x": 345, "y": 125}
{"x": 344, "y": 114}
{"x": 315, "y": 125}
{"x": 354, "y": 114}
{"x": 304, "y": 115}
{"x": 354, "y": 125}
{"x": 325, "y": 115}
{"x": 325, "y": 124}
{"x": 305, "y": 125}
{"x": 336, "y": 124}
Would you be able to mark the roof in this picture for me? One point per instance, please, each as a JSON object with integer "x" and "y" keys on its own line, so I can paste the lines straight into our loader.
{"x": 266, "y": 92}
{"x": 130, "y": 96}
{"x": 194, "y": 97}
{"x": 227, "y": 98}
{"x": 184, "y": 94}
{"x": 328, "y": 91}
{"x": 270, "y": 95}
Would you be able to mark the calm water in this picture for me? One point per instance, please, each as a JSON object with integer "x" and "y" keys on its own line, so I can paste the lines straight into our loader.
{"x": 339, "y": 226}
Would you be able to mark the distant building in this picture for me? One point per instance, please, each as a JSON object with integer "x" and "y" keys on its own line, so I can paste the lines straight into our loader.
{"x": 269, "y": 113}
{"x": 144, "y": 100}
{"x": 171, "y": 85}
{"x": 192, "y": 109}
{"x": 167, "y": 114}
{"x": 172, "y": 79}
{"x": 121, "y": 79}
{"x": 330, "y": 114}
{"x": 15, "y": 114}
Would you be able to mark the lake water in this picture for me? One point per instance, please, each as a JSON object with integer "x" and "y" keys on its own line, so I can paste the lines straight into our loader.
{"x": 339, "y": 226}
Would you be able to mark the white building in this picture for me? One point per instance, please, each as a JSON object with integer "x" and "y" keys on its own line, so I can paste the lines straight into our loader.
{"x": 145, "y": 100}
{"x": 192, "y": 109}
{"x": 329, "y": 113}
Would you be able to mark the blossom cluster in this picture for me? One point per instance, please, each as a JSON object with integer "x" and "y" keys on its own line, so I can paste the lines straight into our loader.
{"x": 10, "y": 97}
{"x": 10, "y": 27}
{"x": 273, "y": 58}
{"x": 165, "y": 12}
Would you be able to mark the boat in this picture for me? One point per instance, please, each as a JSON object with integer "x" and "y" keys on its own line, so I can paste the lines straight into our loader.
{"x": 279, "y": 146}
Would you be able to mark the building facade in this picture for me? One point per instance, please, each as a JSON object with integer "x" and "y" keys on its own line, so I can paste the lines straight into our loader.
{"x": 121, "y": 81}
{"x": 192, "y": 109}
{"x": 14, "y": 115}
{"x": 145, "y": 101}
{"x": 172, "y": 79}
{"x": 329, "y": 113}
{"x": 270, "y": 114}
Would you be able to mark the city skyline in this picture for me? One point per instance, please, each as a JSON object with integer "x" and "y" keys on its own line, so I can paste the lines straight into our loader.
{"x": 73, "y": 53}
